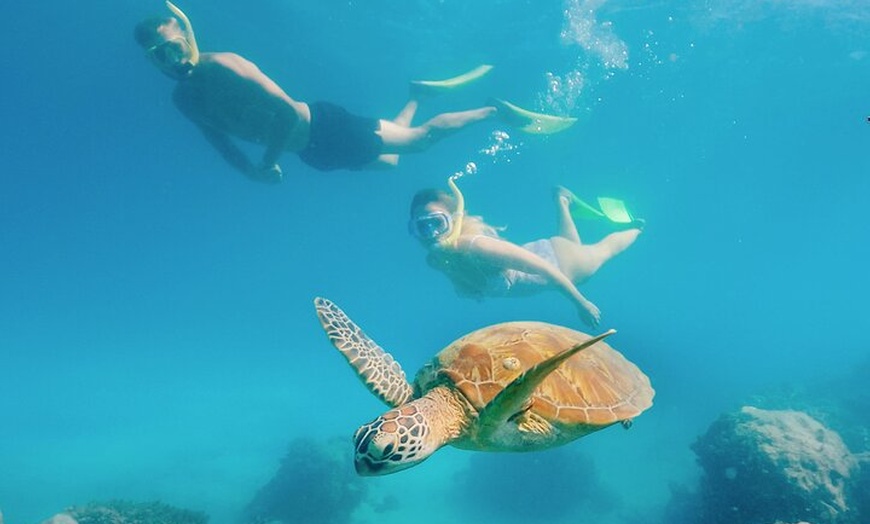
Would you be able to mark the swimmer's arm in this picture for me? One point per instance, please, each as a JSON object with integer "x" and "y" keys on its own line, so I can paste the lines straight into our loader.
{"x": 460, "y": 286}
{"x": 507, "y": 255}
{"x": 278, "y": 140}
{"x": 237, "y": 158}
{"x": 228, "y": 150}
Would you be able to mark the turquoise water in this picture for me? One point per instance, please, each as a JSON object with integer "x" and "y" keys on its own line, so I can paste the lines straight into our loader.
{"x": 157, "y": 335}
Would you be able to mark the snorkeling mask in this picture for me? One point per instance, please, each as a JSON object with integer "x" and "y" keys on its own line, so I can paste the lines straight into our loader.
{"x": 430, "y": 228}
{"x": 169, "y": 55}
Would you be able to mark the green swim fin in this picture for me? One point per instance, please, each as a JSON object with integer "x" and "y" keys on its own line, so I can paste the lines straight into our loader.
{"x": 531, "y": 122}
{"x": 580, "y": 210}
{"x": 615, "y": 210}
{"x": 610, "y": 209}
{"x": 437, "y": 87}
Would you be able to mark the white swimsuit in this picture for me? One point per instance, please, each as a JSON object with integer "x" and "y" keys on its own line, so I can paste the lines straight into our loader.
{"x": 515, "y": 282}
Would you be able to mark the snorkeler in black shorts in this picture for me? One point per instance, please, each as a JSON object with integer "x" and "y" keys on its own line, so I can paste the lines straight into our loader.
{"x": 339, "y": 139}
{"x": 228, "y": 98}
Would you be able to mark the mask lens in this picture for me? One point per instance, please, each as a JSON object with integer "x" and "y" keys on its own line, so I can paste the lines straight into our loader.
{"x": 167, "y": 52}
{"x": 430, "y": 227}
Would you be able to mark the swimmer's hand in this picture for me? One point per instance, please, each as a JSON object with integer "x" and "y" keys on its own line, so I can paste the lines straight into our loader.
{"x": 589, "y": 313}
{"x": 268, "y": 174}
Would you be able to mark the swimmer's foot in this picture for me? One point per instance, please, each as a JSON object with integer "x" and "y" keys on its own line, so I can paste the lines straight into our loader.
{"x": 564, "y": 196}
{"x": 427, "y": 88}
{"x": 578, "y": 208}
{"x": 530, "y": 121}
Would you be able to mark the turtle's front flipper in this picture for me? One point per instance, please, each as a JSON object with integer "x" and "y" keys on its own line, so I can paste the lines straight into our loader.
{"x": 375, "y": 367}
{"x": 514, "y": 396}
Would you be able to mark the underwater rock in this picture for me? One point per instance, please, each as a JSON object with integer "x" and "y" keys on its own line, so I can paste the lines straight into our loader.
{"x": 125, "y": 512}
{"x": 762, "y": 467}
{"x": 862, "y": 488}
{"x": 840, "y": 403}
{"x": 315, "y": 484}
{"x": 60, "y": 518}
{"x": 531, "y": 487}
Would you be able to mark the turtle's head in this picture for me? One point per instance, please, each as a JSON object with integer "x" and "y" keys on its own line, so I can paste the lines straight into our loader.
{"x": 397, "y": 440}
{"x": 405, "y": 436}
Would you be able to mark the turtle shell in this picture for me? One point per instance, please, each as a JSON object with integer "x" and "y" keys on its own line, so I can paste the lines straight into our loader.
{"x": 596, "y": 387}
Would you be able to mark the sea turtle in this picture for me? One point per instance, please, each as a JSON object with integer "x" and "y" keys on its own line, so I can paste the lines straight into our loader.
{"x": 506, "y": 387}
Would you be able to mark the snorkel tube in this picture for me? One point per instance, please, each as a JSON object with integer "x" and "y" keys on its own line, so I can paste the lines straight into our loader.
{"x": 188, "y": 32}
{"x": 449, "y": 240}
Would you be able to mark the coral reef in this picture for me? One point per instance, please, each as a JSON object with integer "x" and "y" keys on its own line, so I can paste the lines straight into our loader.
{"x": 765, "y": 466}
{"x": 315, "y": 484}
{"x": 862, "y": 488}
{"x": 526, "y": 487}
{"x": 60, "y": 518}
{"x": 125, "y": 512}
{"x": 840, "y": 403}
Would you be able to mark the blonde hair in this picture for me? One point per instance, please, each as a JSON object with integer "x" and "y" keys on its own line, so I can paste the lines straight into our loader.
{"x": 471, "y": 224}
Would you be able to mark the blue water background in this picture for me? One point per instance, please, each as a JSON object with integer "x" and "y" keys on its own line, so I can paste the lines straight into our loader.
{"x": 157, "y": 337}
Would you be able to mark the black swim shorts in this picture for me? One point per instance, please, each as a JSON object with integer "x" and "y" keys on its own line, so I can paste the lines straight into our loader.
{"x": 340, "y": 139}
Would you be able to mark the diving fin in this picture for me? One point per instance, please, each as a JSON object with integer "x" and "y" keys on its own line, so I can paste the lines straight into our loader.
{"x": 611, "y": 209}
{"x": 437, "y": 87}
{"x": 531, "y": 122}
{"x": 615, "y": 210}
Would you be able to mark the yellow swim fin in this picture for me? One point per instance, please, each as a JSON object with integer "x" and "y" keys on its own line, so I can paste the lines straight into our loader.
{"x": 437, "y": 87}
{"x": 529, "y": 121}
{"x": 188, "y": 31}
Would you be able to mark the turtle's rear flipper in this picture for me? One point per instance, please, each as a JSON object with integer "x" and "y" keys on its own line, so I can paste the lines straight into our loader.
{"x": 514, "y": 396}
{"x": 376, "y": 368}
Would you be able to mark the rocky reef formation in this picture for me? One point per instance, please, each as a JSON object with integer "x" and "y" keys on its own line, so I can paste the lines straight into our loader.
{"x": 125, "y": 512}
{"x": 315, "y": 484}
{"x": 765, "y": 466}
{"x": 840, "y": 403}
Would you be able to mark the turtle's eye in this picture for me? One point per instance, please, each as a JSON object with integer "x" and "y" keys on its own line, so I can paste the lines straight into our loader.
{"x": 382, "y": 446}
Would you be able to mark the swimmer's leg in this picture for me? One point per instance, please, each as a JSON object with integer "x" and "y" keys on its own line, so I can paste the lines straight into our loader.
{"x": 581, "y": 262}
{"x": 567, "y": 227}
{"x": 406, "y": 115}
{"x": 612, "y": 245}
{"x": 403, "y": 119}
{"x": 402, "y": 139}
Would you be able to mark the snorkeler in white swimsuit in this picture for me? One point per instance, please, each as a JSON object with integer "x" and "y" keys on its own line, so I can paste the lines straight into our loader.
{"x": 480, "y": 263}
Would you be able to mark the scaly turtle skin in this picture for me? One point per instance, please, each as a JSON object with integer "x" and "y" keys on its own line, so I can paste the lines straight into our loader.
{"x": 517, "y": 386}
